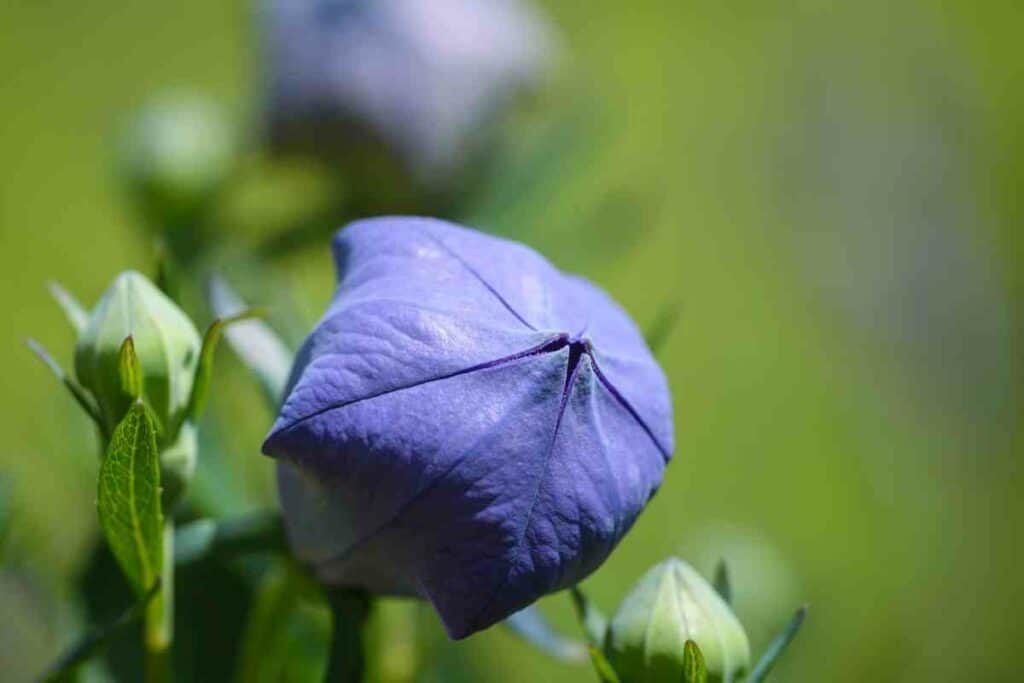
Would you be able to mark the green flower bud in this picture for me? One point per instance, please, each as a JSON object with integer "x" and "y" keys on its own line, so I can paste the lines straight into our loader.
{"x": 669, "y": 605}
{"x": 176, "y": 156}
{"x": 166, "y": 343}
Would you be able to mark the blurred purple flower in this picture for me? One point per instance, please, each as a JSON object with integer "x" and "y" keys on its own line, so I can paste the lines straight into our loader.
{"x": 423, "y": 76}
{"x": 466, "y": 423}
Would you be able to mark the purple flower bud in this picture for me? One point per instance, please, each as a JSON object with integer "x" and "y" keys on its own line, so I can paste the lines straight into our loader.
{"x": 466, "y": 423}
{"x": 422, "y": 76}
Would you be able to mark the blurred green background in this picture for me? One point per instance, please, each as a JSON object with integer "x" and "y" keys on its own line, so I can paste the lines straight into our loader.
{"x": 832, "y": 195}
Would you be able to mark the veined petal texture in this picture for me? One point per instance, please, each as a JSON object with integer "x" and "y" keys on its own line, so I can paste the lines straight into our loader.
{"x": 466, "y": 423}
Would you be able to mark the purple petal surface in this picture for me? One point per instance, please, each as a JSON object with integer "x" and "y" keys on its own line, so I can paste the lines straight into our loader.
{"x": 423, "y": 75}
{"x": 466, "y": 423}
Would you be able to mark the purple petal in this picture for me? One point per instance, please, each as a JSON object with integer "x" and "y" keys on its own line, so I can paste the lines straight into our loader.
{"x": 466, "y": 423}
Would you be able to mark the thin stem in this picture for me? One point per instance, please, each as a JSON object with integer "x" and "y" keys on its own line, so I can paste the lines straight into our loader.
{"x": 159, "y": 632}
{"x": 351, "y": 609}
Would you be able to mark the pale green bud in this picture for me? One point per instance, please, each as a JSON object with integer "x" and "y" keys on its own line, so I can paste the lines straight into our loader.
{"x": 166, "y": 342}
{"x": 669, "y": 605}
{"x": 176, "y": 156}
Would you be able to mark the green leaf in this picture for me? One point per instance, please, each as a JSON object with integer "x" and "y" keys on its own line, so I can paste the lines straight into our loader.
{"x": 77, "y": 391}
{"x": 530, "y": 625}
{"x": 288, "y": 633}
{"x": 255, "y": 343}
{"x": 605, "y": 672}
{"x": 97, "y": 638}
{"x": 129, "y": 498}
{"x": 204, "y": 371}
{"x": 76, "y": 314}
{"x": 130, "y": 369}
{"x": 722, "y": 583}
{"x": 694, "y": 669}
{"x": 777, "y": 647}
{"x": 594, "y": 623}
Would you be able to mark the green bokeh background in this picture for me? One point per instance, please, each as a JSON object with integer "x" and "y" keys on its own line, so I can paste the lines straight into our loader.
{"x": 832, "y": 194}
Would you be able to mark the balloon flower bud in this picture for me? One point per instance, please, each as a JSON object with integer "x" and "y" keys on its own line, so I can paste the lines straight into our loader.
{"x": 670, "y": 605}
{"x": 466, "y": 423}
{"x": 175, "y": 158}
{"x": 424, "y": 79}
{"x": 167, "y": 345}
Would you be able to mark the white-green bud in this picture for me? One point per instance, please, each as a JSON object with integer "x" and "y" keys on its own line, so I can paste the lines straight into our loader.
{"x": 176, "y": 156}
{"x": 669, "y": 605}
{"x": 166, "y": 342}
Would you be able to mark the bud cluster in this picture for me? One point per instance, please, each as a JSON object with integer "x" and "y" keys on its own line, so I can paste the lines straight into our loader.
{"x": 136, "y": 329}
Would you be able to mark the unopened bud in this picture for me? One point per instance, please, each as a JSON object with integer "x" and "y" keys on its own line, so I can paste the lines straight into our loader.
{"x": 176, "y": 157}
{"x": 668, "y": 606}
{"x": 165, "y": 342}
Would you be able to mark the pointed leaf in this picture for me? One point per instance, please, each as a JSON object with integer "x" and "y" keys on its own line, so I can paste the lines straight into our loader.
{"x": 204, "y": 371}
{"x": 76, "y": 314}
{"x": 130, "y": 369}
{"x": 594, "y": 623}
{"x": 129, "y": 498}
{"x": 96, "y": 639}
{"x": 77, "y": 391}
{"x": 723, "y": 585}
{"x": 255, "y": 343}
{"x": 530, "y": 625}
{"x": 288, "y": 632}
{"x": 694, "y": 669}
{"x": 777, "y": 647}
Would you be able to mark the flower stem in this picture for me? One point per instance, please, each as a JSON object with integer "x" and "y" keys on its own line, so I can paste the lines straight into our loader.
{"x": 159, "y": 630}
{"x": 351, "y": 609}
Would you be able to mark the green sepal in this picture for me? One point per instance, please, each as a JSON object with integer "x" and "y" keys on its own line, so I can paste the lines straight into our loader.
{"x": 204, "y": 370}
{"x": 258, "y": 346}
{"x": 130, "y": 369}
{"x": 777, "y": 647}
{"x": 76, "y": 314}
{"x": 694, "y": 669}
{"x": 77, "y": 391}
